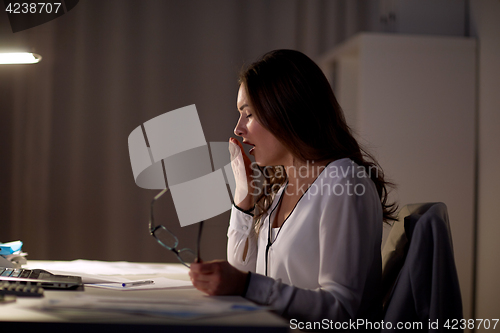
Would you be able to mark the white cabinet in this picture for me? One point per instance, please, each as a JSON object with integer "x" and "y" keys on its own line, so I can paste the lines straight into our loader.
{"x": 411, "y": 100}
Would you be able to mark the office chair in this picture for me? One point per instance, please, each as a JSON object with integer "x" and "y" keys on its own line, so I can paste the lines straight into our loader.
{"x": 419, "y": 276}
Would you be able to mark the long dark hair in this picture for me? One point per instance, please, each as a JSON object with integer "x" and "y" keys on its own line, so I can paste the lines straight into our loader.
{"x": 293, "y": 100}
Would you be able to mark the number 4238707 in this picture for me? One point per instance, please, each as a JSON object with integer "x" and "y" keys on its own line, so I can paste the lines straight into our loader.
{"x": 33, "y": 8}
{"x": 456, "y": 324}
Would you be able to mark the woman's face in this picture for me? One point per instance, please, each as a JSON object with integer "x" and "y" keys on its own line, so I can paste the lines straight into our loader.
{"x": 267, "y": 150}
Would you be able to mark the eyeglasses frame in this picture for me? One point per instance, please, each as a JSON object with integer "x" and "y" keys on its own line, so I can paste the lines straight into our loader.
{"x": 153, "y": 229}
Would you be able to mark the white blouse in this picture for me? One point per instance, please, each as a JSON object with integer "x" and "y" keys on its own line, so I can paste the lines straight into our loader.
{"x": 325, "y": 262}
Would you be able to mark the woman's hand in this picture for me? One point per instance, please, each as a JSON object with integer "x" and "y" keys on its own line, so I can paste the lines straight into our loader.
{"x": 218, "y": 278}
{"x": 241, "y": 165}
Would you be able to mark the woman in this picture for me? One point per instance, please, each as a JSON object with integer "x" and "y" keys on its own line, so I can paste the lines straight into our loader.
{"x": 310, "y": 245}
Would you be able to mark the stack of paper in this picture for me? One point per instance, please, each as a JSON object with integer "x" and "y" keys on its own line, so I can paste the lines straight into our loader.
{"x": 109, "y": 275}
{"x": 108, "y": 267}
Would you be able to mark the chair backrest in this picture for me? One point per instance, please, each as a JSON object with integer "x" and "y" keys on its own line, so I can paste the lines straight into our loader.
{"x": 418, "y": 267}
{"x": 394, "y": 254}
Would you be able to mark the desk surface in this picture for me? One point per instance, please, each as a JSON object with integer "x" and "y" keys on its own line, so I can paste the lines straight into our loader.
{"x": 25, "y": 312}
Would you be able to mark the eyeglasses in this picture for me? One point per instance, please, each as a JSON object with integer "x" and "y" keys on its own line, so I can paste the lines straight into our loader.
{"x": 169, "y": 241}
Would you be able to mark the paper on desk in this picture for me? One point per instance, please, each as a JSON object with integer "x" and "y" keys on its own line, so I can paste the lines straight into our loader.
{"x": 93, "y": 278}
{"x": 158, "y": 283}
{"x": 97, "y": 267}
{"x": 95, "y": 272}
{"x": 115, "y": 282}
{"x": 173, "y": 308}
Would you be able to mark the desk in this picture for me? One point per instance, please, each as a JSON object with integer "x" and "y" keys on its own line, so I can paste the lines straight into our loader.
{"x": 23, "y": 314}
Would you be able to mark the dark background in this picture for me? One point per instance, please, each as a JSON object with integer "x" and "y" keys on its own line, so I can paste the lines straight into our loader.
{"x": 66, "y": 184}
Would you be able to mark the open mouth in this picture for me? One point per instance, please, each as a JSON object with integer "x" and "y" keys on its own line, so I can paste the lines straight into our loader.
{"x": 251, "y": 149}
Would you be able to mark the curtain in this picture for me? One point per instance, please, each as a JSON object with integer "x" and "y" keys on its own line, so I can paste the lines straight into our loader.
{"x": 108, "y": 66}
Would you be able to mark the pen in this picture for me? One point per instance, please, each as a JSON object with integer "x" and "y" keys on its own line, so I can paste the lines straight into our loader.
{"x": 137, "y": 283}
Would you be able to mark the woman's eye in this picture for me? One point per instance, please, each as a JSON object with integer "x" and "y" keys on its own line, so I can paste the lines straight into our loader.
{"x": 248, "y": 115}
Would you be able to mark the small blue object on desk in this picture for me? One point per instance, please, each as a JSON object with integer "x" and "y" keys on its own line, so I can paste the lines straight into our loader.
{"x": 11, "y": 247}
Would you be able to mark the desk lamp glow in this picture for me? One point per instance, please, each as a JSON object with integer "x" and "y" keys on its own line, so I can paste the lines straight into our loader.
{"x": 19, "y": 58}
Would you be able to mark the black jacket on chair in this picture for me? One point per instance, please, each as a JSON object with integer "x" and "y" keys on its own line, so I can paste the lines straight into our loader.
{"x": 427, "y": 288}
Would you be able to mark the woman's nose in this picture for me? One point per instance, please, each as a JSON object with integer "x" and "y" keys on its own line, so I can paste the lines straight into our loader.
{"x": 239, "y": 130}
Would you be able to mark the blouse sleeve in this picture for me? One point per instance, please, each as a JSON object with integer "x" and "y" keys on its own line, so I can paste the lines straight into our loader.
{"x": 349, "y": 263}
{"x": 241, "y": 228}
